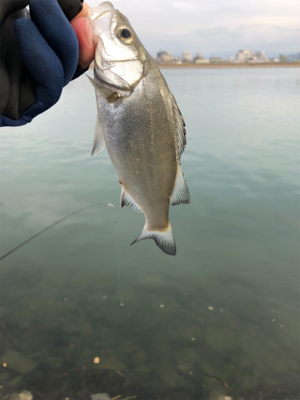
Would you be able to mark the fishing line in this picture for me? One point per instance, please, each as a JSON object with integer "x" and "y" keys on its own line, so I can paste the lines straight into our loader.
{"x": 118, "y": 265}
{"x": 117, "y": 252}
{"x": 60, "y": 221}
{"x": 47, "y": 228}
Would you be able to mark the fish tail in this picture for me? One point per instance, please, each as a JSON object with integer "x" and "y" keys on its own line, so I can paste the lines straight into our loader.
{"x": 164, "y": 239}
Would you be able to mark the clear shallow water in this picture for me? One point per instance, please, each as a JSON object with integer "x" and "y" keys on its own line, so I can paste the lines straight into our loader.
{"x": 238, "y": 252}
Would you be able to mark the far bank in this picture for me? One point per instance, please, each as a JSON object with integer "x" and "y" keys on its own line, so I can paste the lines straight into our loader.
{"x": 231, "y": 65}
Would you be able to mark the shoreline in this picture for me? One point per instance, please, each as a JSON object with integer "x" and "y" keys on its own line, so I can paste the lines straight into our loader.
{"x": 231, "y": 65}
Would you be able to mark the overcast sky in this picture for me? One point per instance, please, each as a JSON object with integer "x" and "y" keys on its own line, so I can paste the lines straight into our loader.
{"x": 214, "y": 26}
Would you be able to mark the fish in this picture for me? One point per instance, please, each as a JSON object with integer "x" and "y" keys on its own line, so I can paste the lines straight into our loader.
{"x": 139, "y": 122}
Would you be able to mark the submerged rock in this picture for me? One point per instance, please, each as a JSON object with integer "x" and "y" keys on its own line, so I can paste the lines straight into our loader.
{"x": 139, "y": 358}
{"x": 249, "y": 382}
{"x": 87, "y": 329}
{"x": 5, "y": 376}
{"x": 168, "y": 373}
{"x": 53, "y": 362}
{"x": 19, "y": 363}
{"x": 185, "y": 359}
{"x": 213, "y": 387}
{"x": 100, "y": 396}
{"x": 15, "y": 381}
{"x": 220, "y": 339}
{"x": 209, "y": 369}
{"x": 145, "y": 368}
{"x": 24, "y": 395}
{"x": 84, "y": 393}
{"x": 3, "y": 311}
{"x": 187, "y": 328}
{"x": 127, "y": 346}
{"x": 109, "y": 360}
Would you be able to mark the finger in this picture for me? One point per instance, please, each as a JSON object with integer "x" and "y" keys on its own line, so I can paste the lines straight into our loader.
{"x": 83, "y": 30}
{"x": 8, "y": 7}
{"x": 4, "y": 79}
{"x": 42, "y": 63}
{"x": 71, "y": 8}
{"x": 58, "y": 33}
{"x": 83, "y": 12}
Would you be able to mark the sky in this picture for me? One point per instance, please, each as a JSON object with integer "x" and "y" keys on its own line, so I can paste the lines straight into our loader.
{"x": 214, "y": 27}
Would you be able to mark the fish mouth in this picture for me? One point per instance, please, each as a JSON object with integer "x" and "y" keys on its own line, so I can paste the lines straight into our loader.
{"x": 100, "y": 11}
{"x": 100, "y": 19}
{"x": 96, "y": 15}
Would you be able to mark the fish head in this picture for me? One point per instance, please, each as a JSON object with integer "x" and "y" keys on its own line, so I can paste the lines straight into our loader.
{"x": 118, "y": 56}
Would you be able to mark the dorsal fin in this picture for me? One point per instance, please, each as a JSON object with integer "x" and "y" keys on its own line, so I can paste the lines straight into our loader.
{"x": 181, "y": 193}
{"x": 180, "y": 124}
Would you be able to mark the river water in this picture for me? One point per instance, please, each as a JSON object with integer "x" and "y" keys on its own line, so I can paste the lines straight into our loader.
{"x": 220, "y": 318}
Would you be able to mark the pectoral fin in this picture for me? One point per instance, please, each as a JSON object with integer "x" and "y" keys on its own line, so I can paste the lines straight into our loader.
{"x": 104, "y": 90}
{"x": 99, "y": 142}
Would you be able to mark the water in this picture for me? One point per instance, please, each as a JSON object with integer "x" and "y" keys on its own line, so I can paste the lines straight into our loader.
{"x": 219, "y": 318}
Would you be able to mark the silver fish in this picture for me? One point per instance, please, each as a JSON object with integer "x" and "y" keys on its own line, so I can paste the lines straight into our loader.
{"x": 140, "y": 124}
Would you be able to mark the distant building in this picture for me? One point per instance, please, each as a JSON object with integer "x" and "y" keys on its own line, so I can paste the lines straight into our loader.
{"x": 251, "y": 56}
{"x": 230, "y": 58}
{"x": 243, "y": 55}
{"x": 282, "y": 58}
{"x": 176, "y": 60}
{"x": 187, "y": 56}
{"x": 164, "y": 57}
{"x": 200, "y": 60}
{"x": 293, "y": 57}
{"x": 198, "y": 57}
{"x": 215, "y": 60}
{"x": 203, "y": 61}
{"x": 274, "y": 59}
{"x": 259, "y": 55}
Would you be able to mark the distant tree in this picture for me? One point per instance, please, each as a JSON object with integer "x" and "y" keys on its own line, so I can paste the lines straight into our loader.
{"x": 282, "y": 58}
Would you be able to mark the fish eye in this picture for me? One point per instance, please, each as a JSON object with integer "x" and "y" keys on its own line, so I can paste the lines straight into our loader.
{"x": 126, "y": 34}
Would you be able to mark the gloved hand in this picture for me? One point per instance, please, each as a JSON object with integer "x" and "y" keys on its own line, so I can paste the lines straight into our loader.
{"x": 39, "y": 56}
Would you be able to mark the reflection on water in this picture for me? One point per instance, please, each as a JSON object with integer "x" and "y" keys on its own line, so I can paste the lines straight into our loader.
{"x": 219, "y": 318}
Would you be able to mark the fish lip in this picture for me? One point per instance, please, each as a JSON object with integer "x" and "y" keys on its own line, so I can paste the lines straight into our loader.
{"x": 100, "y": 14}
{"x": 100, "y": 10}
{"x": 93, "y": 18}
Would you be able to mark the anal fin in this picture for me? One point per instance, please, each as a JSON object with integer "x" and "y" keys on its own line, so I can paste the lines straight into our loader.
{"x": 181, "y": 193}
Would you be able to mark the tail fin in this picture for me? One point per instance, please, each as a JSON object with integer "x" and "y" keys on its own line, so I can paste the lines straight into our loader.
{"x": 163, "y": 239}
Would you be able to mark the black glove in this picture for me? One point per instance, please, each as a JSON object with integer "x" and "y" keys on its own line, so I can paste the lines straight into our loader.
{"x": 39, "y": 56}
